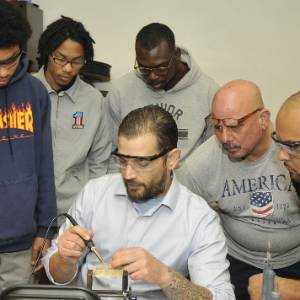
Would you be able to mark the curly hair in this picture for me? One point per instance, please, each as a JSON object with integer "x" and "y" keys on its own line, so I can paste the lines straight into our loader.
{"x": 151, "y": 35}
{"x": 14, "y": 27}
{"x": 59, "y": 31}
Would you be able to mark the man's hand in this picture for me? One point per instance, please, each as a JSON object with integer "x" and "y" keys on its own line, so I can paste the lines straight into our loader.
{"x": 255, "y": 284}
{"x": 71, "y": 245}
{"x": 36, "y": 246}
{"x": 289, "y": 289}
{"x": 141, "y": 265}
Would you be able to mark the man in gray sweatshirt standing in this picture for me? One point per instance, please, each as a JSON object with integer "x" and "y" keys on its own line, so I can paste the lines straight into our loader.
{"x": 238, "y": 173}
{"x": 167, "y": 76}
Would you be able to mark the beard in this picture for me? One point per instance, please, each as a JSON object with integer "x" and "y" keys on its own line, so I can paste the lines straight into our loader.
{"x": 146, "y": 191}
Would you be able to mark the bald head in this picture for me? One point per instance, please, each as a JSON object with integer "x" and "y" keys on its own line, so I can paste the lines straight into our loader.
{"x": 288, "y": 119}
{"x": 235, "y": 99}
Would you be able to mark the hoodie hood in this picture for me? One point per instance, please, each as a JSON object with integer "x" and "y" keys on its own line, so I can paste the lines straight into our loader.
{"x": 191, "y": 76}
{"x": 21, "y": 70}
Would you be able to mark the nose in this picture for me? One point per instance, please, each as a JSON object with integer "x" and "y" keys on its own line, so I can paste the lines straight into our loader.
{"x": 68, "y": 67}
{"x": 128, "y": 172}
{"x": 152, "y": 76}
{"x": 283, "y": 155}
{"x": 225, "y": 135}
{"x": 4, "y": 72}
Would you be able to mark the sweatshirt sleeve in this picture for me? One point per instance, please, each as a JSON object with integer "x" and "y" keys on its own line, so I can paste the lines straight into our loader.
{"x": 46, "y": 202}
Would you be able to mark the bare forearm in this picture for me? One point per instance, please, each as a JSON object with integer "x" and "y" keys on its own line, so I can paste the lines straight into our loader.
{"x": 289, "y": 288}
{"x": 181, "y": 288}
{"x": 61, "y": 269}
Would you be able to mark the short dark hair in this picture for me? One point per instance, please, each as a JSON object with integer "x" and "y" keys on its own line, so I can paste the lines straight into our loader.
{"x": 14, "y": 27}
{"x": 59, "y": 31}
{"x": 150, "y": 36}
{"x": 151, "y": 119}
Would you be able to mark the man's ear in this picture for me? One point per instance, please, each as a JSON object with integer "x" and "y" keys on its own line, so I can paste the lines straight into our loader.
{"x": 177, "y": 53}
{"x": 173, "y": 158}
{"x": 264, "y": 119}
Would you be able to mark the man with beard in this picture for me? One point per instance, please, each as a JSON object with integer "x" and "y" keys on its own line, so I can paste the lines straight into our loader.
{"x": 166, "y": 75}
{"x": 143, "y": 221}
{"x": 287, "y": 136}
{"x": 238, "y": 173}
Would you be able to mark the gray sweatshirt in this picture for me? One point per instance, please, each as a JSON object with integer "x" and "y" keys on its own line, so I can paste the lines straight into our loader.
{"x": 189, "y": 102}
{"x": 80, "y": 138}
{"x": 255, "y": 199}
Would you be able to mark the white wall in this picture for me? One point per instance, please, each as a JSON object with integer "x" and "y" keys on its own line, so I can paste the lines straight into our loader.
{"x": 257, "y": 40}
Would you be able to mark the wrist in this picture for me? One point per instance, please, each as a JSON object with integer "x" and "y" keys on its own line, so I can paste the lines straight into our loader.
{"x": 165, "y": 278}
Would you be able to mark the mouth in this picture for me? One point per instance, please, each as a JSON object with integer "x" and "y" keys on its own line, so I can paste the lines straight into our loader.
{"x": 156, "y": 85}
{"x": 231, "y": 148}
{"x": 65, "y": 78}
{"x": 133, "y": 185}
{"x": 4, "y": 81}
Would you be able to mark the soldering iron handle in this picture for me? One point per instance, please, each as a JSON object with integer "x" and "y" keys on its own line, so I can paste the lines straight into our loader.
{"x": 88, "y": 243}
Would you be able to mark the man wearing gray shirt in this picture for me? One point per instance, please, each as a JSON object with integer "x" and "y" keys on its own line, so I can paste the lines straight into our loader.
{"x": 80, "y": 136}
{"x": 165, "y": 75}
{"x": 145, "y": 222}
{"x": 238, "y": 173}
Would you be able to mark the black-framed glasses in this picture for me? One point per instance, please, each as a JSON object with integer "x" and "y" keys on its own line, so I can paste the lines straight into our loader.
{"x": 75, "y": 64}
{"x": 291, "y": 147}
{"x": 159, "y": 71}
{"x": 11, "y": 62}
{"x": 138, "y": 163}
{"x": 230, "y": 122}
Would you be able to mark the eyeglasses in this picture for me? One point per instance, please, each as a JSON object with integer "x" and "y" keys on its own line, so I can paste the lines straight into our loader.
{"x": 291, "y": 147}
{"x": 159, "y": 71}
{"x": 11, "y": 62}
{"x": 138, "y": 163}
{"x": 232, "y": 123}
{"x": 75, "y": 64}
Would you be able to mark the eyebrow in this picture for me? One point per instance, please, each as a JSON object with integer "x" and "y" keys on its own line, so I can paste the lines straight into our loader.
{"x": 12, "y": 56}
{"x": 59, "y": 53}
{"x": 163, "y": 64}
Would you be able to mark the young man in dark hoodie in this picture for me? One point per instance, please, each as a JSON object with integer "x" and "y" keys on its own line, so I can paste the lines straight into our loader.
{"x": 27, "y": 194}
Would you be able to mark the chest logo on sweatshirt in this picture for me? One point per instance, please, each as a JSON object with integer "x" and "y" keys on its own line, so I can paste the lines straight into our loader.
{"x": 17, "y": 117}
{"x": 261, "y": 203}
{"x": 78, "y": 120}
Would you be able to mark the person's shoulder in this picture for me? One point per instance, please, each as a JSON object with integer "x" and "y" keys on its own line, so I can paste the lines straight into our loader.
{"x": 195, "y": 204}
{"x": 208, "y": 150}
{"x": 87, "y": 91}
{"x": 126, "y": 82}
{"x": 34, "y": 81}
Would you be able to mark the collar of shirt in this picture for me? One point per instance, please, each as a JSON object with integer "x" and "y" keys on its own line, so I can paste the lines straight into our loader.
{"x": 70, "y": 92}
{"x": 169, "y": 200}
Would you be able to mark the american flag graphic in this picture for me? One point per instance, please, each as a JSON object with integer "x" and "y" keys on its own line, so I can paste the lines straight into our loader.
{"x": 78, "y": 123}
{"x": 261, "y": 204}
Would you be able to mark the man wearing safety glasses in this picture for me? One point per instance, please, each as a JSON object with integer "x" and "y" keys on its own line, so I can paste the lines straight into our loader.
{"x": 80, "y": 136}
{"x": 27, "y": 194}
{"x": 166, "y": 75}
{"x": 145, "y": 222}
{"x": 287, "y": 137}
{"x": 238, "y": 173}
